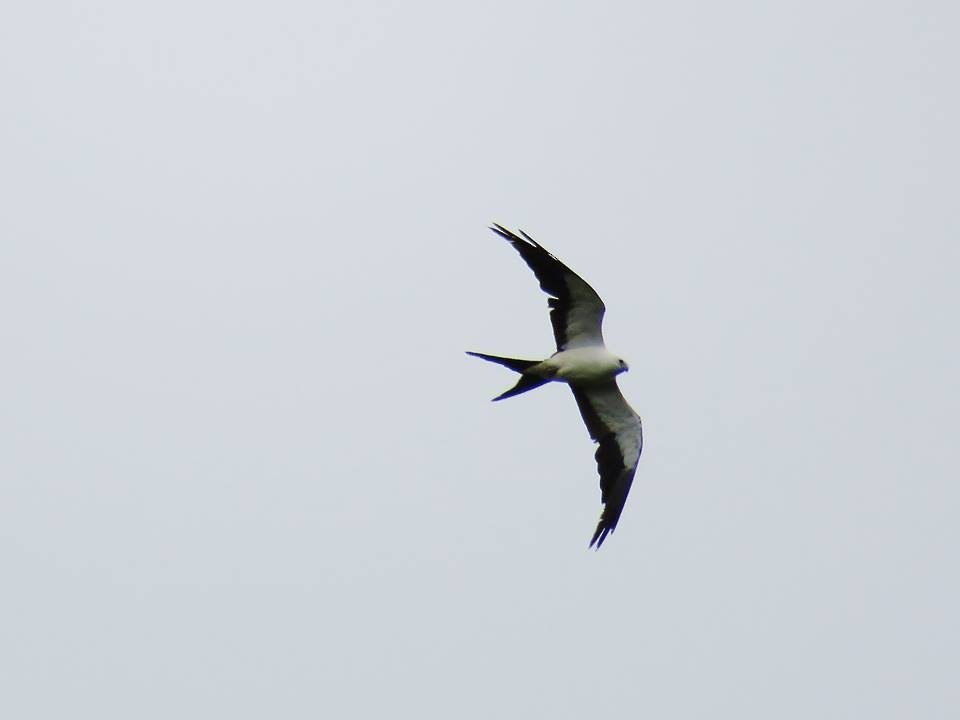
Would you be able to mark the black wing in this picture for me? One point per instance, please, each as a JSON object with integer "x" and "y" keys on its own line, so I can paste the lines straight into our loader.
{"x": 576, "y": 311}
{"x": 616, "y": 427}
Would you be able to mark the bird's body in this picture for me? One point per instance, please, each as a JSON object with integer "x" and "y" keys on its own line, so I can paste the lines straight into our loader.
{"x": 579, "y": 365}
{"x": 583, "y": 362}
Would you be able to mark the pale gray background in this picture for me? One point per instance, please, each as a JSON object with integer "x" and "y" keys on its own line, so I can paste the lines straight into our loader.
{"x": 247, "y": 471}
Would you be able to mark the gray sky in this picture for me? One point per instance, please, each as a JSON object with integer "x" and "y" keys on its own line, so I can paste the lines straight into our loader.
{"x": 246, "y": 470}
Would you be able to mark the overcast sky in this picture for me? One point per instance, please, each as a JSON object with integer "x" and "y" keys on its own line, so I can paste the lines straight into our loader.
{"x": 246, "y": 470}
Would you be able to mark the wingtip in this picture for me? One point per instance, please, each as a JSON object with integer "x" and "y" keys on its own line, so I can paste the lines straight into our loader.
{"x": 501, "y": 231}
{"x": 513, "y": 236}
{"x": 599, "y": 536}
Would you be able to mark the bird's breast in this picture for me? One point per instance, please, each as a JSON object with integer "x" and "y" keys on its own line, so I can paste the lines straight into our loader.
{"x": 584, "y": 365}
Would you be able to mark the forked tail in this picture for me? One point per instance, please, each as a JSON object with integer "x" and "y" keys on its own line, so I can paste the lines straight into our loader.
{"x": 525, "y": 383}
{"x": 512, "y": 363}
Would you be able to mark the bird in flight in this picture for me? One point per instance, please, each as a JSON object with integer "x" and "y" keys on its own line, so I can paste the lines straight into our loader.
{"x": 584, "y": 363}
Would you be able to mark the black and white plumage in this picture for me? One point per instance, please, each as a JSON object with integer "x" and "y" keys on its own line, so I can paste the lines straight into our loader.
{"x": 584, "y": 363}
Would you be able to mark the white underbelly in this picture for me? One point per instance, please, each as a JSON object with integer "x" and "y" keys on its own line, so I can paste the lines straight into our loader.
{"x": 583, "y": 365}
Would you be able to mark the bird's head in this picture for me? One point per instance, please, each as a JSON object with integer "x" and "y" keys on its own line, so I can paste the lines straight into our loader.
{"x": 622, "y": 366}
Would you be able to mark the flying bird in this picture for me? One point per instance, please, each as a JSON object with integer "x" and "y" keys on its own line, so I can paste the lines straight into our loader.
{"x": 583, "y": 362}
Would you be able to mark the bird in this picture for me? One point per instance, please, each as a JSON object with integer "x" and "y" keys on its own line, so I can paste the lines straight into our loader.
{"x": 583, "y": 362}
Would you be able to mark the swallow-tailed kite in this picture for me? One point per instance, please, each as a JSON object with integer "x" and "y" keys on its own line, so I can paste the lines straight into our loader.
{"x": 584, "y": 363}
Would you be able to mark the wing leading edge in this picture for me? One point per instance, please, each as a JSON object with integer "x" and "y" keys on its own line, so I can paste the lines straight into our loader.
{"x": 576, "y": 311}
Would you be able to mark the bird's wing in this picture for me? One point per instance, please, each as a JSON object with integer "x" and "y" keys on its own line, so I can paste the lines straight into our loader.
{"x": 616, "y": 427}
{"x": 576, "y": 310}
